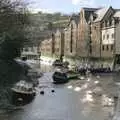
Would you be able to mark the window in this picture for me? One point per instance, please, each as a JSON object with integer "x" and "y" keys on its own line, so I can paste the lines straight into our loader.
{"x": 111, "y": 47}
{"x": 110, "y": 22}
{"x": 113, "y": 35}
{"x": 107, "y": 36}
{"x": 107, "y": 47}
{"x": 103, "y": 48}
{"x": 103, "y": 37}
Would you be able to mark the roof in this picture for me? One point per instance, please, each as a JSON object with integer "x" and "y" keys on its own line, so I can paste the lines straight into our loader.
{"x": 117, "y": 14}
{"x": 101, "y": 13}
{"x": 76, "y": 18}
{"x": 88, "y": 12}
{"x": 90, "y": 9}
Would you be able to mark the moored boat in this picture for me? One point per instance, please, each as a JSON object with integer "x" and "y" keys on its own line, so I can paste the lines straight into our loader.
{"x": 63, "y": 76}
{"x": 59, "y": 77}
{"x": 57, "y": 63}
{"x": 23, "y": 93}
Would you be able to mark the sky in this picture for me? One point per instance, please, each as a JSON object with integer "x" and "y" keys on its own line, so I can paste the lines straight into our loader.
{"x": 69, "y": 6}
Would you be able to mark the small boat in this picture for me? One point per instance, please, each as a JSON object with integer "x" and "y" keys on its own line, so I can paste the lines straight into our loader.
{"x": 63, "y": 76}
{"x": 60, "y": 77}
{"x": 22, "y": 93}
{"x": 57, "y": 63}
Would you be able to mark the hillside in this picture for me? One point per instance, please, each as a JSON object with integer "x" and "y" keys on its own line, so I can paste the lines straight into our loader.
{"x": 42, "y": 23}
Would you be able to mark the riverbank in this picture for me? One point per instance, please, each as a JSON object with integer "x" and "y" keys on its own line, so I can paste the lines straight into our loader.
{"x": 97, "y": 63}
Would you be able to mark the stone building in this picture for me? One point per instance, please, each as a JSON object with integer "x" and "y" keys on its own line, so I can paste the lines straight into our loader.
{"x": 117, "y": 47}
{"x": 46, "y": 47}
{"x": 117, "y": 43}
{"x": 31, "y": 52}
{"x": 71, "y": 37}
{"x": 84, "y": 32}
{"x": 103, "y": 30}
{"x": 90, "y": 34}
{"x": 54, "y": 45}
{"x": 58, "y": 43}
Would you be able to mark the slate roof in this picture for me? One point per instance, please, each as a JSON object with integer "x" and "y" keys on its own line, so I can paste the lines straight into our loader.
{"x": 101, "y": 13}
{"x": 88, "y": 12}
{"x": 117, "y": 14}
{"x": 90, "y": 9}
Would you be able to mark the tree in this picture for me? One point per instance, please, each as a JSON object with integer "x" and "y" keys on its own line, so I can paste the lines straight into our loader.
{"x": 13, "y": 20}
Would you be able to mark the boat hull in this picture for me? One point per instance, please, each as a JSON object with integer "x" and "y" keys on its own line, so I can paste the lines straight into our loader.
{"x": 59, "y": 78}
{"x": 19, "y": 98}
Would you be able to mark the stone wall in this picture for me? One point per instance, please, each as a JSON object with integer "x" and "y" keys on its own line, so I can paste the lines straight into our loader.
{"x": 96, "y": 39}
{"x": 82, "y": 37}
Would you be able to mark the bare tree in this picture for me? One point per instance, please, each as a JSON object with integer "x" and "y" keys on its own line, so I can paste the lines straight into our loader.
{"x": 13, "y": 20}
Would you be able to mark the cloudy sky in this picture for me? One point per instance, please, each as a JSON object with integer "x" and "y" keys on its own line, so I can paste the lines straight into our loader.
{"x": 69, "y": 6}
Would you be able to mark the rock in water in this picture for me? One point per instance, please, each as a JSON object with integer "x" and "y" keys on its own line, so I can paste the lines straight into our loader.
{"x": 42, "y": 92}
{"x": 52, "y": 91}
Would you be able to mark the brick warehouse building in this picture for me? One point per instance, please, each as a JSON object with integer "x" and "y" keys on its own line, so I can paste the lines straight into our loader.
{"x": 91, "y": 34}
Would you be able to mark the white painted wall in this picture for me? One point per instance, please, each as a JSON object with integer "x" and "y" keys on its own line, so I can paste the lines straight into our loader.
{"x": 108, "y": 31}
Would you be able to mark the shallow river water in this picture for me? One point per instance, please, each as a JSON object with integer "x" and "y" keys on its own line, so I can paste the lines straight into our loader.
{"x": 89, "y": 99}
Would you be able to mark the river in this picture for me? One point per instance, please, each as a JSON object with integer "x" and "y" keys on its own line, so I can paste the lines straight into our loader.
{"x": 72, "y": 101}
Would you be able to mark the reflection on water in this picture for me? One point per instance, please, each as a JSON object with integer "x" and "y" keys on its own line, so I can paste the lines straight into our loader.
{"x": 88, "y": 98}
{"x": 107, "y": 101}
{"x": 70, "y": 87}
{"x": 96, "y": 82}
{"x": 77, "y": 89}
{"x": 46, "y": 68}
